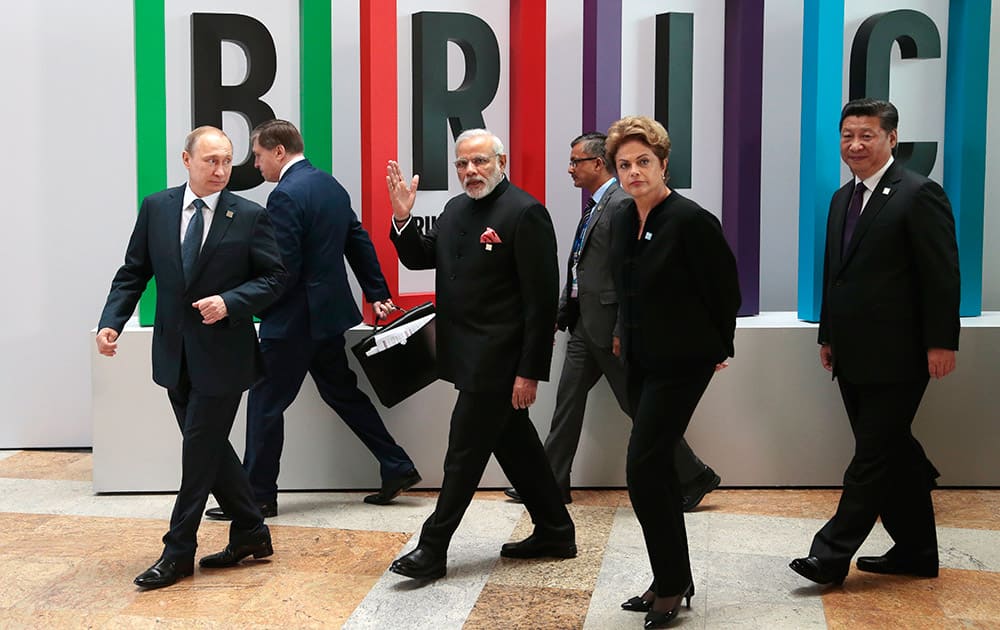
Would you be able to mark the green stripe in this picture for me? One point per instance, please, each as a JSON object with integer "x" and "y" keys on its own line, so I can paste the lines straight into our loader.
{"x": 150, "y": 116}
{"x": 316, "y": 82}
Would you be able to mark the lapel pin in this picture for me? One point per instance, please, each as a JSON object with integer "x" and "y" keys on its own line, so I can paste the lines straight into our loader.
{"x": 229, "y": 213}
{"x": 489, "y": 247}
{"x": 649, "y": 236}
{"x": 886, "y": 191}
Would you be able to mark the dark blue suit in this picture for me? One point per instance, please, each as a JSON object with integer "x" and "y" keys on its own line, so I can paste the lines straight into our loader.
{"x": 205, "y": 368}
{"x": 304, "y": 330}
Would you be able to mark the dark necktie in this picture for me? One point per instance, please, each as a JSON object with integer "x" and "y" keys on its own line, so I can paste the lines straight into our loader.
{"x": 192, "y": 239}
{"x": 581, "y": 229}
{"x": 853, "y": 214}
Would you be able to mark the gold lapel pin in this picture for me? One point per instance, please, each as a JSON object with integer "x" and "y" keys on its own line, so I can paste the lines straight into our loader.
{"x": 229, "y": 214}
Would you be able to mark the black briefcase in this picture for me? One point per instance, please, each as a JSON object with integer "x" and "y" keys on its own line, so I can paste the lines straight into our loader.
{"x": 400, "y": 359}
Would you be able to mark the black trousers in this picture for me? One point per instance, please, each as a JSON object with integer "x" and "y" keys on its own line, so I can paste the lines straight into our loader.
{"x": 584, "y": 365}
{"x": 664, "y": 401}
{"x": 208, "y": 465}
{"x": 483, "y": 423}
{"x": 286, "y": 363}
{"x": 889, "y": 476}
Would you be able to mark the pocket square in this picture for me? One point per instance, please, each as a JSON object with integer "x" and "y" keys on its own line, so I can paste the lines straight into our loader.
{"x": 489, "y": 236}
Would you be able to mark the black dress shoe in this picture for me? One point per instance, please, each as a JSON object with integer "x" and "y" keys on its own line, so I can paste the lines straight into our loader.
{"x": 536, "y": 547}
{"x": 695, "y": 490}
{"x": 259, "y": 546}
{"x": 662, "y": 619}
{"x": 919, "y": 567}
{"x": 516, "y": 498}
{"x": 391, "y": 488}
{"x": 164, "y": 572}
{"x": 420, "y": 564}
{"x": 218, "y": 514}
{"x": 812, "y": 568}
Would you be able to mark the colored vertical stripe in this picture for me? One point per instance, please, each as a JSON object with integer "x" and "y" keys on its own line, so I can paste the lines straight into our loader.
{"x": 742, "y": 99}
{"x": 527, "y": 96}
{"x": 819, "y": 158}
{"x": 965, "y": 139}
{"x": 673, "y": 91}
{"x": 316, "y": 81}
{"x": 602, "y": 64}
{"x": 150, "y": 116}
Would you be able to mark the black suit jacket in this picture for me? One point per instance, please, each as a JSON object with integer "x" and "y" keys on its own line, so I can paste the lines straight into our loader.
{"x": 316, "y": 229}
{"x": 496, "y": 306}
{"x": 678, "y": 285}
{"x": 239, "y": 262}
{"x": 895, "y": 292}
{"x": 596, "y": 305}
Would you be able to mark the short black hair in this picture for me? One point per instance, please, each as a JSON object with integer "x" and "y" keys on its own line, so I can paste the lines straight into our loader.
{"x": 886, "y": 112}
{"x": 271, "y": 133}
{"x": 594, "y": 145}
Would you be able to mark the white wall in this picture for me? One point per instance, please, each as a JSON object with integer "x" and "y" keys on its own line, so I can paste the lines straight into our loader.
{"x": 69, "y": 164}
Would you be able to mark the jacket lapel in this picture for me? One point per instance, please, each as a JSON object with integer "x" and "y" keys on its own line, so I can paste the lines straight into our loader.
{"x": 884, "y": 191}
{"x": 172, "y": 229}
{"x": 838, "y": 215}
{"x": 598, "y": 210}
{"x": 225, "y": 210}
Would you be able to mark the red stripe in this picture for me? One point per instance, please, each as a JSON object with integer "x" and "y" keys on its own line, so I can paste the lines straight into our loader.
{"x": 527, "y": 96}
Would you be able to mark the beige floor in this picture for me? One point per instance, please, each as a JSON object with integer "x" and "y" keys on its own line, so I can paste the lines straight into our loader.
{"x": 67, "y": 559}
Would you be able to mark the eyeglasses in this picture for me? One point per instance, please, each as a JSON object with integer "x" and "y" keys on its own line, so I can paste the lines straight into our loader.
{"x": 574, "y": 162}
{"x": 478, "y": 161}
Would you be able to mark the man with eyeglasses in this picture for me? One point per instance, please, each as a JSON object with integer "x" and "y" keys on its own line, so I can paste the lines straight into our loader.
{"x": 497, "y": 278}
{"x": 588, "y": 308}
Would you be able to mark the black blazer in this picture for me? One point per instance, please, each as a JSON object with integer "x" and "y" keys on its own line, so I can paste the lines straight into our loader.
{"x": 316, "y": 229}
{"x": 596, "y": 306}
{"x": 496, "y": 306}
{"x": 895, "y": 291}
{"x": 239, "y": 262}
{"x": 677, "y": 284}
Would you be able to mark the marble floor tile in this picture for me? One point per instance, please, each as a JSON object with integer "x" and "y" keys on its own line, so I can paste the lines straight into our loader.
{"x": 528, "y": 608}
{"x": 306, "y": 599}
{"x": 47, "y": 464}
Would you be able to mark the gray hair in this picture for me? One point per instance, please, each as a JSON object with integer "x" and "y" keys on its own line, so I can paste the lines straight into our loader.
{"x": 198, "y": 132}
{"x": 475, "y": 133}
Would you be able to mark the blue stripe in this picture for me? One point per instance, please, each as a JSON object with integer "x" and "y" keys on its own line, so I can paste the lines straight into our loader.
{"x": 819, "y": 160}
{"x": 965, "y": 139}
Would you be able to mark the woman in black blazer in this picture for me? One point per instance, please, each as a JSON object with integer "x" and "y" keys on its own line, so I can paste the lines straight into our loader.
{"x": 679, "y": 292}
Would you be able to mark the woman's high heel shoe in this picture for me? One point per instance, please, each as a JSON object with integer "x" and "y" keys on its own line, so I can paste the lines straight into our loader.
{"x": 639, "y": 603}
{"x": 657, "y": 619}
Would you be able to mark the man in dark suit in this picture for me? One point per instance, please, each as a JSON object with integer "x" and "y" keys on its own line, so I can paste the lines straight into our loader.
{"x": 497, "y": 277}
{"x": 889, "y": 321}
{"x": 588, "y": 307}
{"x": 304, "y": 330}
{"x": 204, "y": 345}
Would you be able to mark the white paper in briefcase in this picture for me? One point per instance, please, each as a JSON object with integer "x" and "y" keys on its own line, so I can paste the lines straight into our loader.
{"x": 396, "y": 336}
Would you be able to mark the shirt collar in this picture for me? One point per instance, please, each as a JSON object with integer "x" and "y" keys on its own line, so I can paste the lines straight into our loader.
{"x": 295, "y": 160}
{"x": 872, "y": 182}
{"x": 603, "y": 189}
{"x": 210, "y": 201}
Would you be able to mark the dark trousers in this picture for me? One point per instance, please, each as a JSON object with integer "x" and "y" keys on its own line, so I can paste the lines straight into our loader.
{"x": 664, "y": 401}
{"x": 583, "y": 366}
{"x": 888, "y": 477}
{"x": 483, "y": 423}
{"x": 286, "y": 362}
{"x": 208, "y": 465}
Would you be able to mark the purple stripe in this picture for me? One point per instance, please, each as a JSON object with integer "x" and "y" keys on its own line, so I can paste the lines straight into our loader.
{"x": 742, "y": 97}
{"x": 602, "y": 64}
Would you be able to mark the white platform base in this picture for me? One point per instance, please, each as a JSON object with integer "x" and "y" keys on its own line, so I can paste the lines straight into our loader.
{"x": 773, "y": 418}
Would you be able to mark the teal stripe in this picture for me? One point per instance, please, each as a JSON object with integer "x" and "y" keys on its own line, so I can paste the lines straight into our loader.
{"x": 965, "y": 139}
{"x": 316, "y": 85}
{"x": 819, "y": 160}
{"x": 150, "y": 116}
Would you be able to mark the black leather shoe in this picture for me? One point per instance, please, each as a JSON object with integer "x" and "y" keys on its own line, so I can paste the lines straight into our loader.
{"x": 420, "y": 564}
{"x": 259, "y": 546}
{"x": 218, "y": 514}
{"x": 516, "y": 498}
{"x": 695, "y": 490}
{"x": 164, "y": 572}
{"x": 535, "y": 547}
{"x": 919, "y": 567}
{"x": 393, "y": 487}
{"x": 812, "y": 568}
